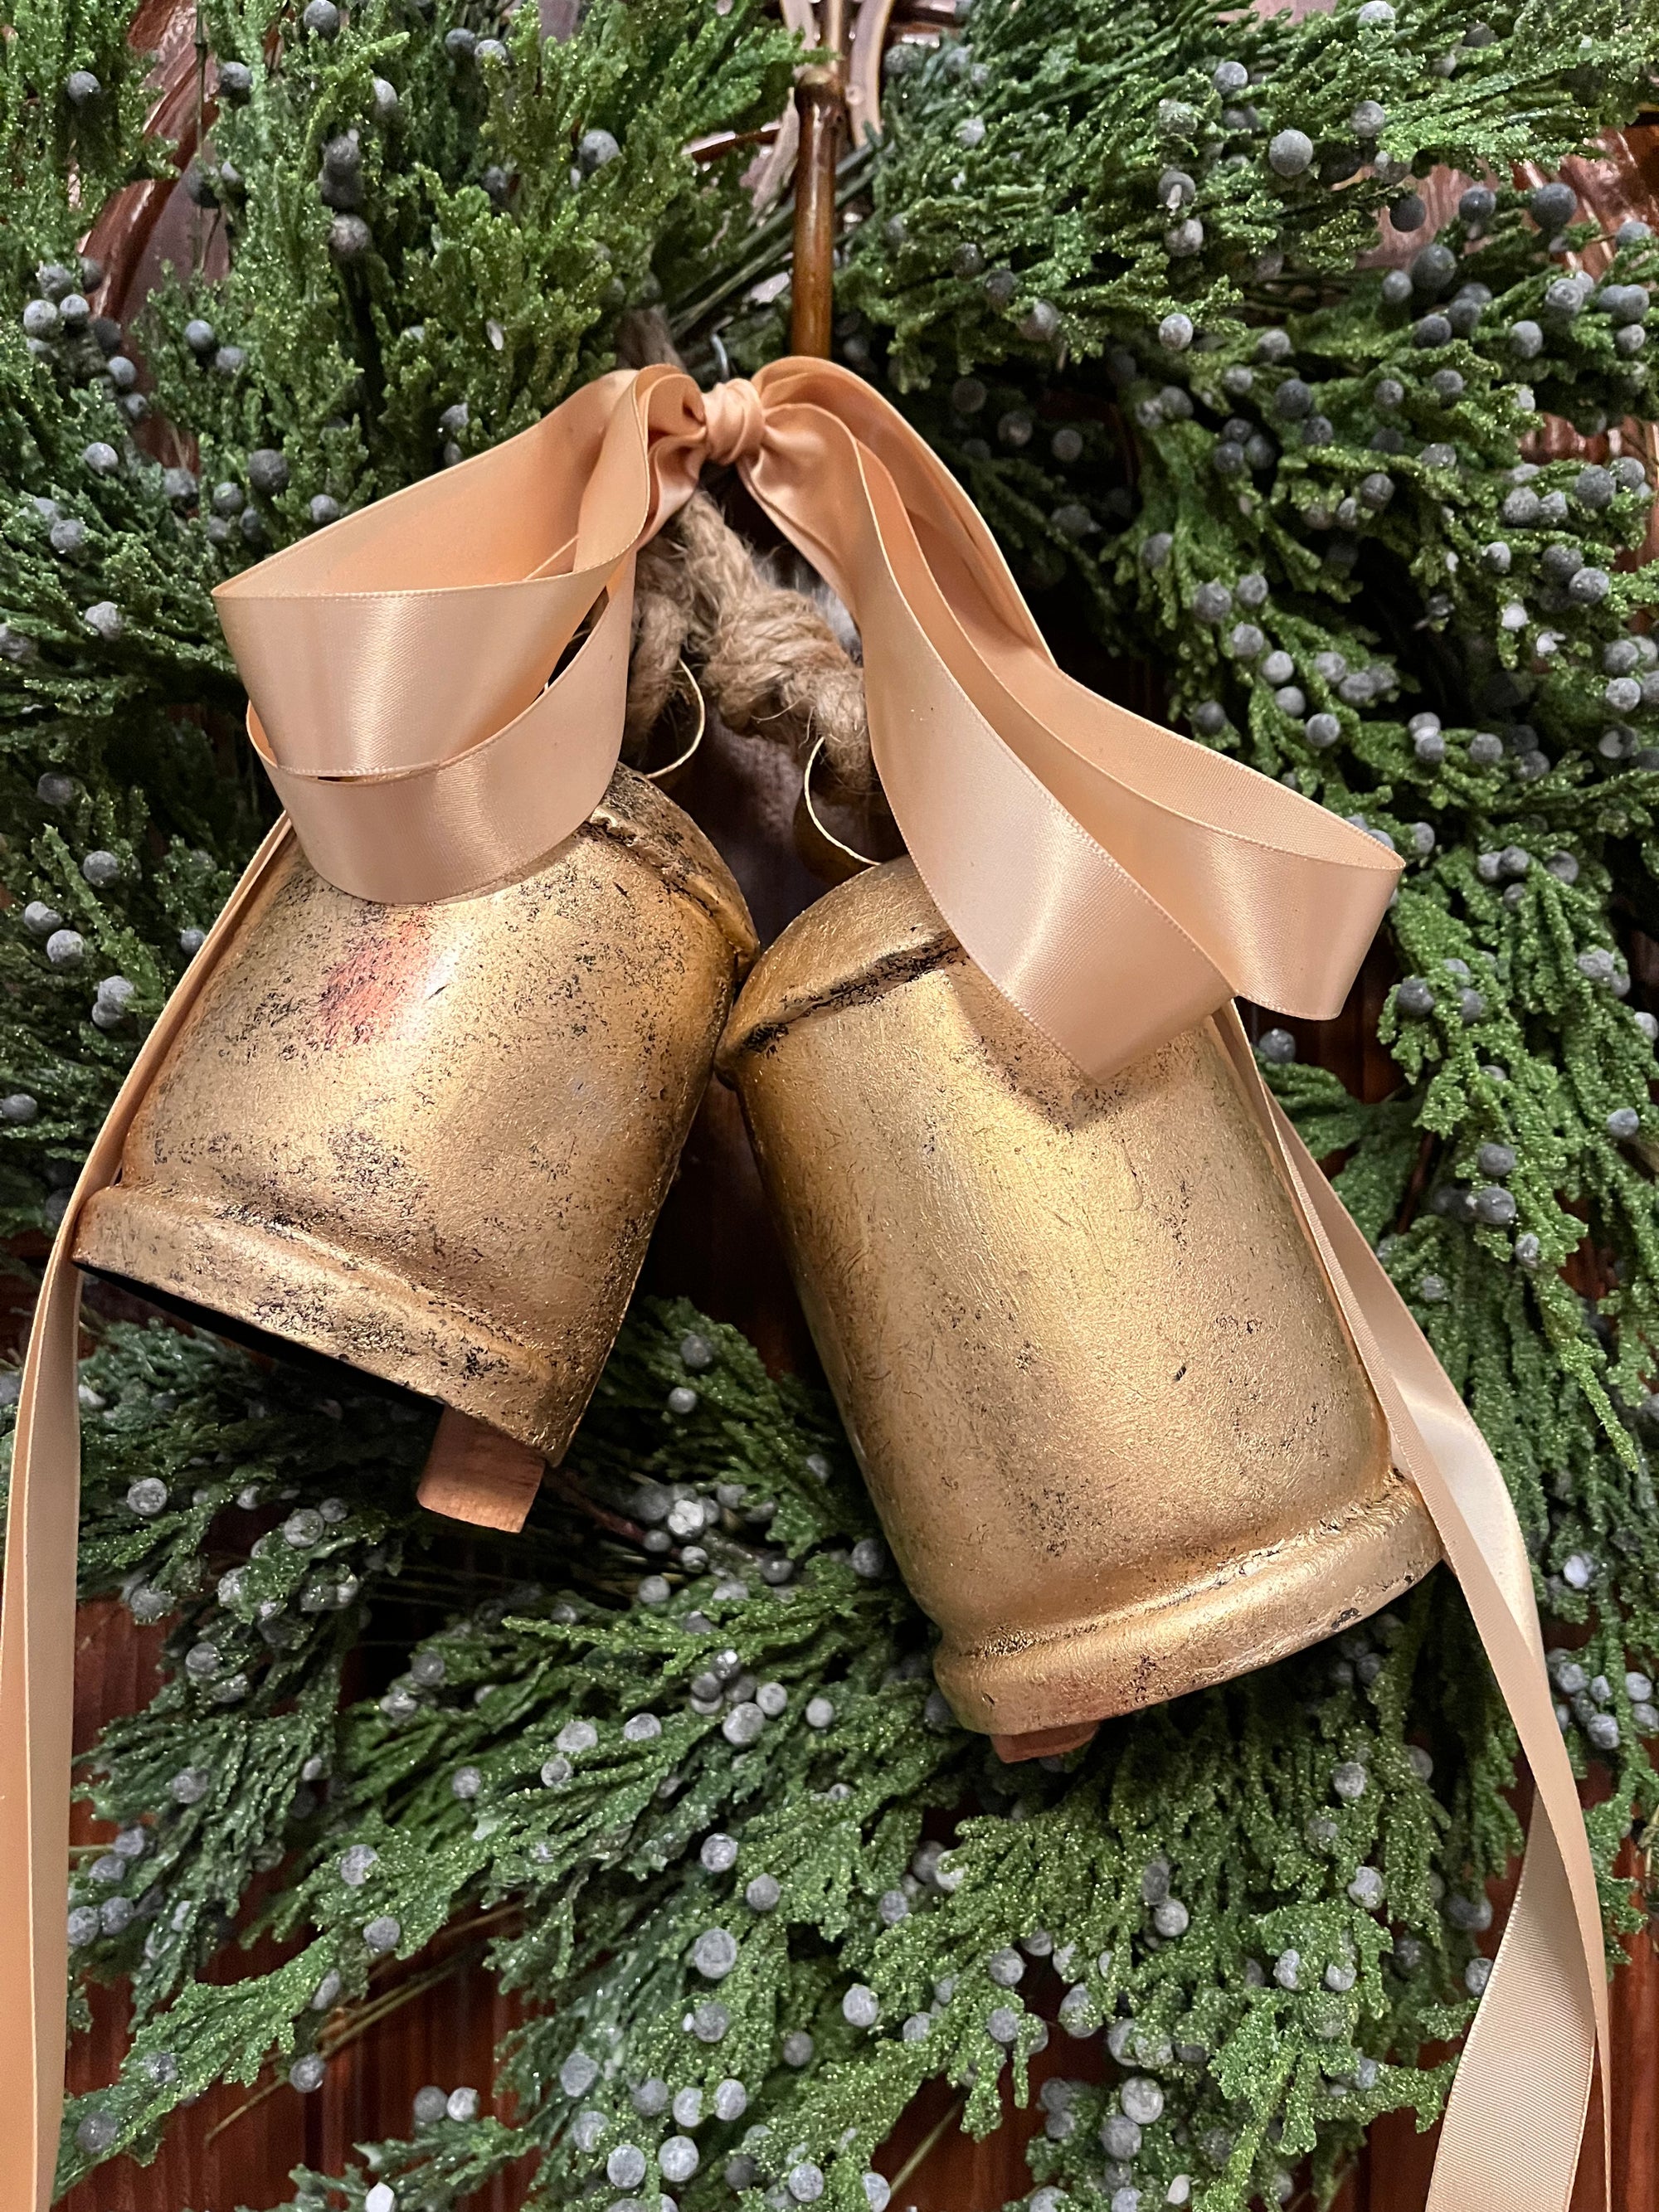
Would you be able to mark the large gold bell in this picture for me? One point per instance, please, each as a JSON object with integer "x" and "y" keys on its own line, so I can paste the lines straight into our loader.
{"x": 1109, "y": 1413}
{"x": 431, "y": 1141}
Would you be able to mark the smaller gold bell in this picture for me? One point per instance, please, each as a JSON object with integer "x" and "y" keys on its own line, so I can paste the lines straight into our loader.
{"x": 432, "y": 1141}
{"x": 1108, "y": 1411}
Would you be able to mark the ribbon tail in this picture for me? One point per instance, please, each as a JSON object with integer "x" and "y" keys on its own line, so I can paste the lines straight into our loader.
{"x": 1116, "y": 882}
{"x": 1498, "y": 2152}
{"x": 37, "y": 1626}
{"x": 37, "y": 1708}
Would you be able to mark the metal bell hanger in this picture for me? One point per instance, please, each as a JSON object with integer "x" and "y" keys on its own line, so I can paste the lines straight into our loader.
{"x": 837, "y": 101}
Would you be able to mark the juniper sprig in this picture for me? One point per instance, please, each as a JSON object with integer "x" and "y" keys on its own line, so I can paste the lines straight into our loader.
{"x": 700, "y": 1802}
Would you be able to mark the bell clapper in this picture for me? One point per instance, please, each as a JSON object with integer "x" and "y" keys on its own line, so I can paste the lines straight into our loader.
{"x": 474, "y": 1472}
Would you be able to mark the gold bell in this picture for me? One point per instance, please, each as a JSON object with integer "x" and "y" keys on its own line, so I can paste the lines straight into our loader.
{"x": 431, "y": 1141}
{"x": 1109, "y": 1413}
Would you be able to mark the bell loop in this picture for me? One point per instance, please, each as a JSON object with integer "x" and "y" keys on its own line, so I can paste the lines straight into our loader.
{"x": 734, "y": 421}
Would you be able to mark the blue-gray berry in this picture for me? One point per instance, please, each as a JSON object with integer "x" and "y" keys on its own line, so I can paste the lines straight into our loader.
{"x": 626, "y": 2166}
{"x": 677, "y": 2159}
{"x": 1212, "y": 603}
{"x": 595, "y": 149}
{"x": 868, "y": 1558}
{"x": 1552, "y": 206}
{"x": 577, "y": 2074}
{"x": 1366, "y": 1889}
{"x": 714, "y": 1954}
{"x": 1522, "y": 507}
{"x": 1120, "y": 2138}
{"x": 1525, "y": 339}
{"x": 349, "y": 238}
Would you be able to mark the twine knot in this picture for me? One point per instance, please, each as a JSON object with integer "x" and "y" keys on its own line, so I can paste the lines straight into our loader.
{"x": 734, "y": 419}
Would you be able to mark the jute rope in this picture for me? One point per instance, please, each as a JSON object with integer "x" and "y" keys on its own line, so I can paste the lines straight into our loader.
{"x": 767, "y": 660}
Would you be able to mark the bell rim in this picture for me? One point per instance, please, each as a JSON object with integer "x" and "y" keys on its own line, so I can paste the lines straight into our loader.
{"x": 1084, "y": 1672}
{"x": 365, "y": 1317}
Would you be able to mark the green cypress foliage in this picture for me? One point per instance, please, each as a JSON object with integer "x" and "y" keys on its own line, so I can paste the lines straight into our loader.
{"x": 511, "y": 199}
{"x": 696, "y": 1799}
{"x": 698, "y": 1810}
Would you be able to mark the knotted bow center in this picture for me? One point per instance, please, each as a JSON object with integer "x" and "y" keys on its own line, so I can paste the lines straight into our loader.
{"x": 734, "y": 418}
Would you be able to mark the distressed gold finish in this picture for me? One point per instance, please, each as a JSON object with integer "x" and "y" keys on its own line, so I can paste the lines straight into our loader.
{"x": 431, "y": 1141}
{"x": 1108, "y": 1411}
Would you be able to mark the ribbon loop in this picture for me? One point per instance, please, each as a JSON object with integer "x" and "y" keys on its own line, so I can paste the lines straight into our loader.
{"x": 1077, "y": 849}
{"x": 1114, "y": 880}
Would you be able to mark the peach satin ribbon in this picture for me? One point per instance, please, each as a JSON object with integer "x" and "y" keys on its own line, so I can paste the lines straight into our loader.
{"x": 1117, "y": 882}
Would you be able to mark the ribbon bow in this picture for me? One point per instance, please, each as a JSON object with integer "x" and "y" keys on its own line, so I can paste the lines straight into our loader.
{"x": 414, "y": 705}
